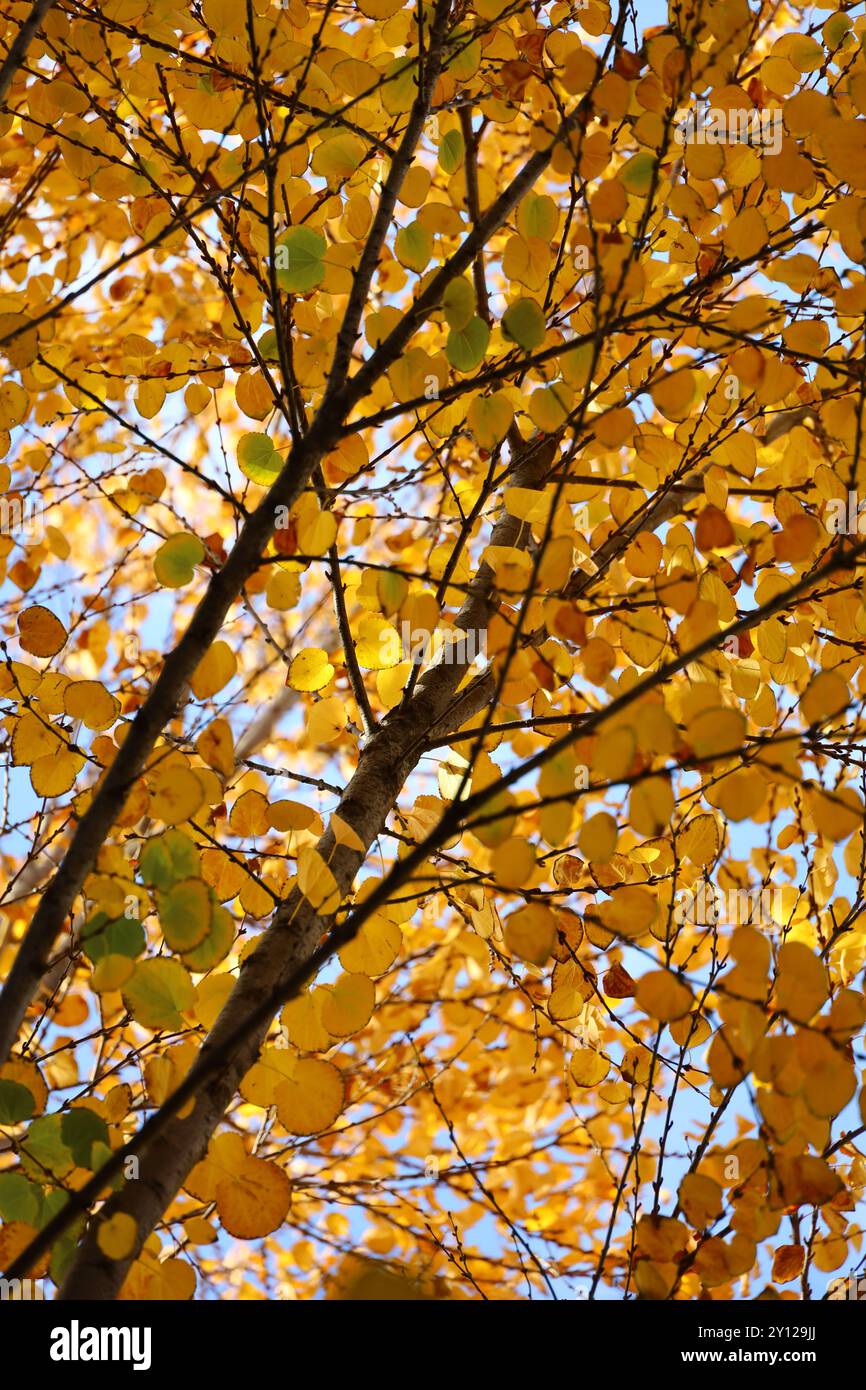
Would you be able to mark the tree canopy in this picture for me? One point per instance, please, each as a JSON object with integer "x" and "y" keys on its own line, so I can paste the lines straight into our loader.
{"x": 432, "y": 628}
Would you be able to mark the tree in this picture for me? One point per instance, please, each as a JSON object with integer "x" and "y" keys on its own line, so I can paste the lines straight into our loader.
{"x": 433, "y": 668}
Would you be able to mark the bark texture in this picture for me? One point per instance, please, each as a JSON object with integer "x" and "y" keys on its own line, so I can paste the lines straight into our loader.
{"x": 226, "y": 585}
{"x": 435, "y": 708}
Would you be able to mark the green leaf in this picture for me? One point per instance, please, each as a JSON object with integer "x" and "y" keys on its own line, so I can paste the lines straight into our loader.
{"x": 99, "y": 1154}
{"x": 102, "y": 937}
{"x": 458, "y": 302}
{"x": 43, "y": 1151}
{"x": 258, "y": 460}
{"x": 20, "y": 1199}
{"x": 400, "y": 87}
{"x": 216, "y": 944}
{"x": 466, "y": 55}
{"x": 167, "y": 858}
{"x": 65, "y": 1248}
{"x": 299, "y": 260}
{"x": 637, "y": 173}
{"x": 489, "y": 418}
{"x": 452, "y": 151}
{"x": 53, "y": 1201}
{"x": 16, "y": 1103}
{"x": 337, "y": 157}
{"x": 524, "y": 324}
{"x": 466, "y": 347}
{"x": 538, "y": 216}
{"x": 268, "y": 347}
{"x": 185, "y": 914}
{"x": 176, "y": 559}
{"x": 413, "y": 246}
{"x": 80, "y": 1129}
{"x": 157, "y": 993}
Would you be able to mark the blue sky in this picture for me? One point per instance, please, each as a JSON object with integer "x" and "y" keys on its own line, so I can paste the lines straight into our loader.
{"x": 156, "y": 633}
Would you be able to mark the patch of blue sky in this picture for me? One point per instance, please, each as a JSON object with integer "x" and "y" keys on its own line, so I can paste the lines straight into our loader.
{"x": 156, "y": 631}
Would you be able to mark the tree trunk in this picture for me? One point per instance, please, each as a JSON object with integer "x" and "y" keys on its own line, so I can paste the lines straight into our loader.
{"x": 296, "y": 928}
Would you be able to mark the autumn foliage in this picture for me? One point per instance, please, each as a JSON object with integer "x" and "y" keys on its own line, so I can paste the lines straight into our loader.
{"x": 433, "y": 631}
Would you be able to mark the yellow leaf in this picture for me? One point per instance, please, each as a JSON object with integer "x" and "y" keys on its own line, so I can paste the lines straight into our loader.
{"x": 214, "y": 671}
{"x": 40, "y": 633}
{"x": 643, "y": 637}
{"x": 716, "y": 733}
{"x": 651, "y": 805}
{"x": 284, "y": 590}
{"x": 530, "y": 933}
{"x": 673, "y": 394}
{"x": 317, "y": 530}
{"x": 587, "y": 1067}
{"x": 91, "y": 703}
{"x": 598, "y": 837}
{"x": 310, "y": 670}
{"x": 273, "y": 1066}
{"x": 55, "y": 774}
{"x": 528, "y": 504}
{"x": 249, "y": 815}
{"x": 254, "y": 1199}
{"x": 513, "y": 863}
{"x": 550, "y": 407}
{"x": 311, "y": 1099}
{"x": 661, "y": 1237}
{"x": 326, "y": 719}
{"x": 630, "y": 912}
{"x": 316, "y": 881}
{"x": 348, "y": 1005}
{"x": 215, "y": 746}
{"x": 289, "y": 815}
{"x": 117, "y": 1235}
{"x": 700, "y": 840}
{"x": 374, "y": 948}
{"x": 337, "y": 157}
{"x": 185, "y": 913}
{"x": 344, "y": 834}
{"x": 211, "y": 995}
{"x": 700, "y": 1199}
{"x": 302, "y": 1020}
{"x": 801, "y": 982}
{"x": 111, "y": 973}
{"x": 741, "y": 794}
{"x": 613, "y": 754}
{"x": 663, "y": 996}
{"x": 771, "y": 640}
{"x": 177, "y": 796}
{"x": 378, "y": 645}
{"x": 825, "y": 696}
{"x": 836, "y": 814}
{"x": 33, "y": 739}
{"x": 489, "y": 418}
{"x": 746, "y": 235}
{"x": 14, "y": 405}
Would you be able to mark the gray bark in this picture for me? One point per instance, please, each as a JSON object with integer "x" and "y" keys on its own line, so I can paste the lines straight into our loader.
{"x": 386, "y": 760}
